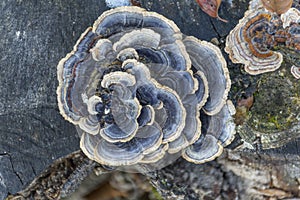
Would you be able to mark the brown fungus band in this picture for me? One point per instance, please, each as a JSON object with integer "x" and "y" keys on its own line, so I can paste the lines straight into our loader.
{"x": 141, "y": 93}
{"x": 262, "y": 36}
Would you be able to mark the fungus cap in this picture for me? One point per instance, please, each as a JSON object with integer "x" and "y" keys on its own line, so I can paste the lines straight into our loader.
{"x": 242, "y": 48}
{"x": 295, "y": 71}
{"x": 258, "y": 34}
{"x": 135, "y": 87}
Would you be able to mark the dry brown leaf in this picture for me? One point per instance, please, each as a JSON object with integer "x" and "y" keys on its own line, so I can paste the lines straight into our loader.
{"x": 211, "y": 8}
{"x": 278, "y": 6}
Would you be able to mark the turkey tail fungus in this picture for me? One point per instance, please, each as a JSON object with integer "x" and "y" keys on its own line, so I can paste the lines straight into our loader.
{"x": 142, "y": 94}
{"x": 262, "y": 37}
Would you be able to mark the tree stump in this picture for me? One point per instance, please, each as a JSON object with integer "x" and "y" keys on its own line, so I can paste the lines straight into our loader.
{"x": 36, "y": 35}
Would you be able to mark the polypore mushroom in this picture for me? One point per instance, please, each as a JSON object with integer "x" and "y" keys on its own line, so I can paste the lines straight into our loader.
{"x": 290, "y": 16}
{"x": 295, "y": 71}
{"x": 137, "y": 90}
{"x": 217, "y": 131}
{"x": 260, "y": 33}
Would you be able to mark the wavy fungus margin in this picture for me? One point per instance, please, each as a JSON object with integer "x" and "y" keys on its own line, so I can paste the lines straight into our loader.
{"x": 142, "y": 94}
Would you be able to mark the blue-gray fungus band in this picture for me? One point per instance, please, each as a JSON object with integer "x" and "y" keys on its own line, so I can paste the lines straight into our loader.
{"x": 142, "y": 93}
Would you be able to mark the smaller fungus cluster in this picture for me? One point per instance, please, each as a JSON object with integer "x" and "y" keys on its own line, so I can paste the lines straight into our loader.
{"x": 261, "y": 36}
{"x": 140, "y": 92}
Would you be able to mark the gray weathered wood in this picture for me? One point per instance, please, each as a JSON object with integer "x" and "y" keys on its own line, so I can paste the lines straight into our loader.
{"x": 35, "y": 35}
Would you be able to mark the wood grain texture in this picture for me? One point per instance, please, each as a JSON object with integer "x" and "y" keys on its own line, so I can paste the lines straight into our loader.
{"x": 35, "y": 35}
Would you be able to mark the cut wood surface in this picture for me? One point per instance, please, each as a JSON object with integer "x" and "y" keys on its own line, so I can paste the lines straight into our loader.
{"x": 35, "y": 35}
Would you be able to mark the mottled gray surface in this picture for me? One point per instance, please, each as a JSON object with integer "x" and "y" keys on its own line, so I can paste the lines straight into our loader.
{"x": 234, "y": 175}
{"x": 191, "y": 20}
{"x": 35, "y": 35}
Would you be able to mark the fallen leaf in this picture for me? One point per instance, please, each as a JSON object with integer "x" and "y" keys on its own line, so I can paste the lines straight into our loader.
{"x": 211, "y": 8}
{"x": 278, "y": 6}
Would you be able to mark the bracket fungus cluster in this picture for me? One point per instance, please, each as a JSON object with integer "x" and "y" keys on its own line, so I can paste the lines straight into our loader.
{"x": 142, "y": 93}
{"x": 262, "y": 36}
